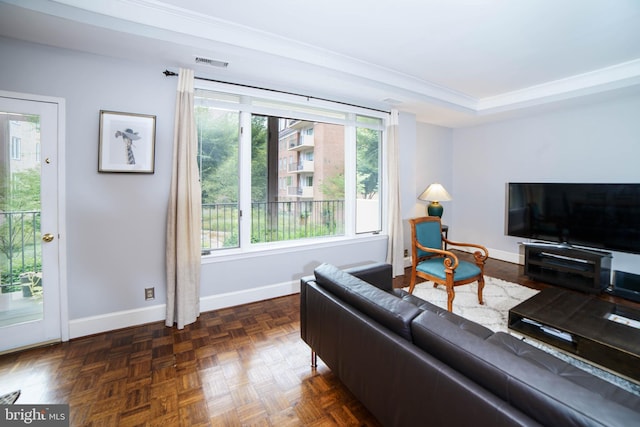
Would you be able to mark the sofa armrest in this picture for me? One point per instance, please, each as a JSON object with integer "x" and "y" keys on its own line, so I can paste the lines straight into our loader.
{"x": 378, "y": 274}
{"x": 304, "y": 283}
{"x": 381, "y": 306}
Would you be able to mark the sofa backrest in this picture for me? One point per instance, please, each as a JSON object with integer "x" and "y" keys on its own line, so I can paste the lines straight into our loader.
{"x": 383, "y": 307}
{"x": 606, "y": 389}
{"x": 538, "y": 392}
{"x": 462, "y": 323}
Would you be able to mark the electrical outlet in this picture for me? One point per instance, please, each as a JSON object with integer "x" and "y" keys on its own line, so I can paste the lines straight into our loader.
{"x": 406, "y": 253}
{"x": 149, "y": 293}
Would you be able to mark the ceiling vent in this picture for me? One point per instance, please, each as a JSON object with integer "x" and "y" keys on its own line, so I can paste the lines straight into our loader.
{"x": 211, "y": 62}
{"x": 392, "y": 101}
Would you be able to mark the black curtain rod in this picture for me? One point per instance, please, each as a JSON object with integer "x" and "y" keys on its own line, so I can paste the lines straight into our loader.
{"x": 168, "y": 73}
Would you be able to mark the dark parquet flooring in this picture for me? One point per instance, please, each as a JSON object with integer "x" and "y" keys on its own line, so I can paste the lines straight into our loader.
{"x": 241, "y": 366}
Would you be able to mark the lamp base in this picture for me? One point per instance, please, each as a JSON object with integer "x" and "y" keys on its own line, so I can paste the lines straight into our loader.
{"x": 435, "y": 209}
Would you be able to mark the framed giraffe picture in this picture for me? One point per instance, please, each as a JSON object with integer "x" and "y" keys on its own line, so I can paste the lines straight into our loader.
{"x": 127, "y": 142}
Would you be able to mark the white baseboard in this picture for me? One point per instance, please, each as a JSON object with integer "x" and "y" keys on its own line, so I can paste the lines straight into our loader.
{"x": 127, "y": 318}
{"x": 117, "y": 320}
{"x": 506, "y": 256}
{"x": 231, "y": 299}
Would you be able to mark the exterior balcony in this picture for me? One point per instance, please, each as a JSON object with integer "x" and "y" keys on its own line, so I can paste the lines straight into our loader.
{"x": 305, "y": 142}
{"x": 300, "y": 167}
{"x": 303, "y": 192}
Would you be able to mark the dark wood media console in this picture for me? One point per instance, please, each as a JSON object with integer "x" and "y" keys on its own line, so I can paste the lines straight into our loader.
{"x": 599, "y": 331}
{"x": 580, "y": 269}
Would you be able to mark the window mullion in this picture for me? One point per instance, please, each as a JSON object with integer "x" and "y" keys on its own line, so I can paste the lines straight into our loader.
{"x": 245, "y": 179}
{"x": 350, "y": 179}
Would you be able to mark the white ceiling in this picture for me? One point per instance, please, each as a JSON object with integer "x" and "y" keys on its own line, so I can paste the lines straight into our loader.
{"x": 453, "y": 63}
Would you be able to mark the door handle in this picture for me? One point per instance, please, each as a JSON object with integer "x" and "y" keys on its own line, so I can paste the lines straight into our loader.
{"x": 47, "y": 237}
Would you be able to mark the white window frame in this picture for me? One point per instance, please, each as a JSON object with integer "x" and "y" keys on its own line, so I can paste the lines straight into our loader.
{"x": 249, "y": 101}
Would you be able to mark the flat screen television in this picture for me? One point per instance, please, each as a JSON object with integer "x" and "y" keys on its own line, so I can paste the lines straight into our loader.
{"x": 602, "y": 216}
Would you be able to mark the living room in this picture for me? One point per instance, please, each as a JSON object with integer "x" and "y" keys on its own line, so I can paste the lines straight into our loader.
{"x": 115, "y": 223}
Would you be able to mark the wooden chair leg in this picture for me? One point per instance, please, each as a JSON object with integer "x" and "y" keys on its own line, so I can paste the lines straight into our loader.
{"x": 450, "y": 296}
{"x": 412, "y": 282}
{"x": 480, "y": 288}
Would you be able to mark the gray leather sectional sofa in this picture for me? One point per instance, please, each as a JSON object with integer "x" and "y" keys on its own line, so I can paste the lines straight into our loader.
{"x": 412, "y": 363}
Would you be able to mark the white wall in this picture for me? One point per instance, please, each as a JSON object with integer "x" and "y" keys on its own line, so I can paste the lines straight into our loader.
{"x": 592, "y": 143}
{"x": 429, "y": 159}
{"x": 433, "y": 158}
{"x": 407, "y": 170}
{"x": 116, "y": 222}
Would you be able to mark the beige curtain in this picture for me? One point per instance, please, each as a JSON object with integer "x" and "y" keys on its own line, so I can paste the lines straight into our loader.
{"x": 184, "y": 213}
{"x": 395, "y": 249}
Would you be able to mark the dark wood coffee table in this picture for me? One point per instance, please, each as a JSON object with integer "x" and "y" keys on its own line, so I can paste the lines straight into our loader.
{"x": 581, "y": 324}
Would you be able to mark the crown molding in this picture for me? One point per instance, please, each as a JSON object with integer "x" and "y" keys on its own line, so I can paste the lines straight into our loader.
{"x": 156, "y": 19}
{"x": 161, "y": 16}
{"x": 610, "y": 78}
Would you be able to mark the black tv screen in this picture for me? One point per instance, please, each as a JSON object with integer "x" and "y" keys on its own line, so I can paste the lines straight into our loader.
{"x": 604, "y": 216}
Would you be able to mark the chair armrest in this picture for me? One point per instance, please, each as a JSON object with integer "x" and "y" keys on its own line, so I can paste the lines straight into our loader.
{"x": 480, "y": 255}
{"x": 451, "y": 260}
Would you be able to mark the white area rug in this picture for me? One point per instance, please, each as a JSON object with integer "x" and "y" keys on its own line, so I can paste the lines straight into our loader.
{"x": 498, "y": 296}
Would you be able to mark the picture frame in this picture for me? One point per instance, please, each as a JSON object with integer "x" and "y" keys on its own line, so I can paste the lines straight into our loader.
{"x": 127, "y": 142}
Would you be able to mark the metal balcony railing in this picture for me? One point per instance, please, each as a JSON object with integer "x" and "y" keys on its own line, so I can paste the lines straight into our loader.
{"x": 303, "y": 166}
{"x": 20, "y": 249}
{"x": 304, "y": 142}
{"x": 220, "y": 226}
{"x": 303, "y": 192}
{"x": 271, "y": 221}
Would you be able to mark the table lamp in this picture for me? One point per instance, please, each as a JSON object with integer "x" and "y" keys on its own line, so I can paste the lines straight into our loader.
{"x": 435, "y": 193}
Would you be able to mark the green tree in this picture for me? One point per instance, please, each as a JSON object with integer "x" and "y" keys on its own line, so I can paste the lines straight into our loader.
{"x": 218, "y": 139}
{"x": 367, "y": 155}
{"x": 333, "y": 187}
{"x": 19, "y": 193}
{"x": 259, "y": 167}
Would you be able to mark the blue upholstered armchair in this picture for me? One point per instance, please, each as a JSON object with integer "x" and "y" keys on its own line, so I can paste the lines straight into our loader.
{"x": 431, "y": 262}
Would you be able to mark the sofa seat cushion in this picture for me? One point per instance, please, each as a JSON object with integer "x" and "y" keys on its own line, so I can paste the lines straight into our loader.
{"x": 531, "y": 387}
{"x": 383, "y": 307}
{"x": 435, "y": 267}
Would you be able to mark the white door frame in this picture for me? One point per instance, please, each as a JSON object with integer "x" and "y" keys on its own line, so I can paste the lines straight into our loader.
{"x": 61, "y": 201}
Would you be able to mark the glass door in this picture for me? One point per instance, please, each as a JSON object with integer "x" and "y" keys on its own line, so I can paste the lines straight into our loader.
{"x": 29, "y": 288}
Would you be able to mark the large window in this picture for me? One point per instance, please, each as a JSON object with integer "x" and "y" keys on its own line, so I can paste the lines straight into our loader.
{"x": 273, "y": 171}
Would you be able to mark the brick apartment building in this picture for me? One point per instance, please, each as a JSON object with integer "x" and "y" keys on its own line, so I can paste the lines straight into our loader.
{"x": 309, "y": 155}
